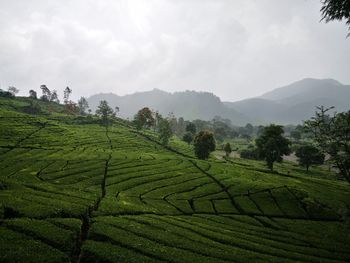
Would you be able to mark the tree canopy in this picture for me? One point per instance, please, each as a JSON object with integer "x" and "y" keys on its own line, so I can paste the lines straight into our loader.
{"x": 227, "y": 149}
{"x": 165, "y": 131}
{"x": 272, "y": 145}
{"x": 332, "y": 134}
{"x": 336, "y": 10}
{"x": 144, "y": 118}
{"x": 308, "y": 155}
{"x": 104, "y": 111}
{"x": 204, "y": 144}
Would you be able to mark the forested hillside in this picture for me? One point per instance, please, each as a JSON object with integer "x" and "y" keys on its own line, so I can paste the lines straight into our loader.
{"x": 75, "y": 191}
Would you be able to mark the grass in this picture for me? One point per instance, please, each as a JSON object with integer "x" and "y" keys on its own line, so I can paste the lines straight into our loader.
{"x": 72, "y": 190}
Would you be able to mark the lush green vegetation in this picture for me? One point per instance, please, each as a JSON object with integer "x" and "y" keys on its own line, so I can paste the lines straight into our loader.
{"x": 73, "y": 190}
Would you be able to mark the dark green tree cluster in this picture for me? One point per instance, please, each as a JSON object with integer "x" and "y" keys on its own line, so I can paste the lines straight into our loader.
{"x": 227, "y": 149}
{"x": 309, "y": 155}
{"x": 336, "y": 10}
{"x": 105, "y": 112}
{"x": 332, "y": 134}
{"x": 272, "y": 145}
{"x": 204, "y": 144}
{"x": 190, "y": 133}
{"x": 144, "y": 119}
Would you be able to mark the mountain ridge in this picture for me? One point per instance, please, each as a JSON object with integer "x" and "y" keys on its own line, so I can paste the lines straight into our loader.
{"x": 289, "y": 104}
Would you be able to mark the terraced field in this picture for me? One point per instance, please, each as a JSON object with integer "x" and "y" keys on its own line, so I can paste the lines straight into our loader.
{"x": 83, "y": 193}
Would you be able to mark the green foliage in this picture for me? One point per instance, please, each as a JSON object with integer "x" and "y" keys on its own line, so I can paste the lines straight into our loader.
{"x": 204, "y": 144}
{"x": 272, "y": 145}
{"x": 33, "y": 94}
{"x": 250, "y": 153}
{"x": 336, "y": 10}
{"x": 105, "y": 112}
{"x": 13, "y": 90}
{"x": 83, "y": 105}
{"x": 165, "y": 131}
{"x": 332, "y": 134}
{"x": 144, "y": 118}
{"x": 68, "y": 186}
{"x": 227, "y": 149}
{"x": 32, "y": 108}
{"x": 191, "y": 127}
{"x": 309, "y": 155}
{"x": 188, "y": 137}
{"x": 6, "y": 94}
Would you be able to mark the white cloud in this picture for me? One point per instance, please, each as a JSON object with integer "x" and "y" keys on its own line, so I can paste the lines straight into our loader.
{"x": 235, "y": 49}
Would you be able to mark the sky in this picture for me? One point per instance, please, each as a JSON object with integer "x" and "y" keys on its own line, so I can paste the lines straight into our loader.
{"x": 235, "y": 49}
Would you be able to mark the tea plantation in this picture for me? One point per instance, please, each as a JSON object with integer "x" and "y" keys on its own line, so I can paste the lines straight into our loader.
{"x": 74, "y": 191}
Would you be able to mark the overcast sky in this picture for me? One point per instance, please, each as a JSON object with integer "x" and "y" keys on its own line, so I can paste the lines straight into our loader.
{"x": 233, "y": 48}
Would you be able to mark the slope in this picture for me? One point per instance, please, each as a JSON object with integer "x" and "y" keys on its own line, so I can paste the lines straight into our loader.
{"x": 83, "y": 193}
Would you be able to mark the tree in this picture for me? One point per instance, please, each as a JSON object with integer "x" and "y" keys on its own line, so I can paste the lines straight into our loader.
{"x": 6, "y": 94}
{"x": 46, "y": 93}
{"x": 227, "y": 149}
{"x": 309, "y": 155}
{"x": 180, "y": 129}
{"x": 165, "y": 131}
{"x": 83, "y": 105}
{"x": 204, "y": 144}
{"x": 104, "y": 111}
{"x": 54, "y": 97}
{"x": 188, "y": 137}
{"x": 332, "y": 134}
{"x": 144, "y": 118}
{"x": 32, "y": 94}
{"x": 336, "y": 10}
{"x": 272, "y": 145}
{"x": 191, "y": 127}
{"x": 66, "y": 94}
{"x": 251, "y": 153}
{"x": 13, "y": 90}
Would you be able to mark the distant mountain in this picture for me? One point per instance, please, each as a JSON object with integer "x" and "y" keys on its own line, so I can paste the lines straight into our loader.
{"x": 188, "y": 104}
{"x": 295, "y": 102}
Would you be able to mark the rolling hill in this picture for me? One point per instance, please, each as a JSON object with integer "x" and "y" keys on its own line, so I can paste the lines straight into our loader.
{"x": 295, "y": 102}
{"x": 74, "y": 191}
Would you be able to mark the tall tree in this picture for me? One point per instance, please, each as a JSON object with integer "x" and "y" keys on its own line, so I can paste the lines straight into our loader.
{"x": 191, "y": 127}
{"x": 165, "y": 131}
{"x": 105, "y": 112}
{"x": 309, "y": 155}
{"x": 83, "y": 105}
{"x": 228, "y": 149}
{"x": 13, "y": 90}
{"x": 54, "y": 97}
{"x": 32, "y": 94}
{"x": 46, "y": 93}
{"x": 204, "y": 144}
{"x": 336, "y": 10}
{"x": 144, "y": 118}
{"x": 180, "y": 129}
{"x": 66, "y": 94}
{"x": 272, "y": 145}
{"x": 188, "y": 137}
{"x": 332, "y": 134}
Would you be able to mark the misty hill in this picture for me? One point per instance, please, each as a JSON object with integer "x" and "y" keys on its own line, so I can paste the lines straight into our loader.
{"x": 188, "y": 104}
{"x": 295, "y": 102}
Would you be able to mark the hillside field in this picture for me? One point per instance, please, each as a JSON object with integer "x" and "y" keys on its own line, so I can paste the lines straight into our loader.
{"x": 74, "y": 191}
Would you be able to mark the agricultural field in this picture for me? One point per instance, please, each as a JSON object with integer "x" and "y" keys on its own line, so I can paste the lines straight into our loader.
{"x": 75, "y": 191}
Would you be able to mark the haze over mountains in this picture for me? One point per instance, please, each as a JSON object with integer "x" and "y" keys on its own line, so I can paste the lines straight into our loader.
{"x": 286, "y": 105}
